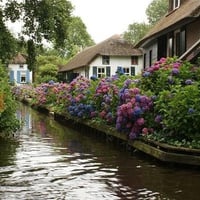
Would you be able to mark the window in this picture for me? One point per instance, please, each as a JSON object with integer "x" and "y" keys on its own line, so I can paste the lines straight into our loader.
{"x": 171, "y": 46}
{"x": 150, "y": 57}
{"x": 21, "y": 66}
{"x": 126, "y": 70}
{"x": 134, "y": 60}
{"x": 105, "y": 60}
{"x": 144, "y": 61}
{"x": 180, "y": 42}
{"x": 101, "y": 72}
{"x": 176, "y": 4}
{"x": 23, "y": 77}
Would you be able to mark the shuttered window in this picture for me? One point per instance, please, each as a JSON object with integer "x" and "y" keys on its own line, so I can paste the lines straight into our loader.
{"x": 94, "y": 71}
{"x": 12, "y": 76}
{"x": 18, "y": 77}
{"x": 108, "y": 71}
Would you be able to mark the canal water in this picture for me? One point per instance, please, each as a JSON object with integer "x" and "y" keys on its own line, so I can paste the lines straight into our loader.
{"x": 51, "y": 161}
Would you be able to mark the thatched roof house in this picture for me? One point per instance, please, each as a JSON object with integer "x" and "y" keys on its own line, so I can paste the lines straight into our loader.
{"x": 175, "y": 33}
{"x": 188, "y": 12}
{"x": 18, "y": 70}
{"x": 113, "y": 46}
{"x": 114, "y": 49}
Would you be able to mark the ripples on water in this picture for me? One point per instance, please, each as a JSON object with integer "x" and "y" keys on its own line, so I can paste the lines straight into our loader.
{"x": 54, "y": 162}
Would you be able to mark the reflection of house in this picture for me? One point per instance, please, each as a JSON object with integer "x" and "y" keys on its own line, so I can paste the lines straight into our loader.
{"x": 23, "y": 114}
{"x": 176, "y": 34}
{"x": 18, "y": 70}
{"x": 104, "y": 59}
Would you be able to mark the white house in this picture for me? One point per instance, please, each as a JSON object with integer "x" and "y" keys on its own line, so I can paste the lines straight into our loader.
{"x": 18, "y": 70}
{"x": 105, "y": 59}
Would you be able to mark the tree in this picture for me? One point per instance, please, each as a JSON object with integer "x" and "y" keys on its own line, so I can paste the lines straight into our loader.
{"x": 156, "y": 10}
{"x": 78, "y": 37}
{"x": 46, "y": 73}
{"x": 42, "y": 20}
{"x": 31, "y": 59}
{"x": 47, "y": 67}
{"x": 7, "y": 42}
{"x": 135, "y": 32}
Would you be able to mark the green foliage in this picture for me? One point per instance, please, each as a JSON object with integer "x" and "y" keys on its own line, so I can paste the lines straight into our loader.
{"x": 156, "y": 10}
{"x": 135, "y": 32}
{"x": 180, "y": 110}
{"x": 31, "y": 60}
{"x": 166, "y": 73}
{"x": 8, "y": 121}
{"x": 175, "y": 86}
{"x": 47, "y": 73}
{"x": 43, "y": 19}
{"x": 7, "y": 42}
{"x": 78, "y": 37}
{"x": 49, "y": 58}
{"x": 47, "y": 67}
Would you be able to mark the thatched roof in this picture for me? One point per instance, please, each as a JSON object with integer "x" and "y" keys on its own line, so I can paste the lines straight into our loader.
{"x": 187, "y": 12}
{"x": 19, "y": 59}
{"x": 113, "y": 46}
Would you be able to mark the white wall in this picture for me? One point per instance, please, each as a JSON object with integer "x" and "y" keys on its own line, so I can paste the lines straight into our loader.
{"x": 116, "y": 61}
{"x": 154, "y": 48}
{"x": 16, "y": 67}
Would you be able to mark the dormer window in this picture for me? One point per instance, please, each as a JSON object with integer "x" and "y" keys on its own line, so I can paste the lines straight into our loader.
{"x": 176, "y": 4}
{"x": 173, "y": 5}
{"x": 105, "y": 60}
{"x": 21, "y": 66}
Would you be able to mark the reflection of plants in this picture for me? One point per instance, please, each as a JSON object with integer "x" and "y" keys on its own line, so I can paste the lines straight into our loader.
{"x": 8, "y": 150}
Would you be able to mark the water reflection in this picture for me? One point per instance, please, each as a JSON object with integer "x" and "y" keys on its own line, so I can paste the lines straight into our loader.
{"x": 56, "y": 162}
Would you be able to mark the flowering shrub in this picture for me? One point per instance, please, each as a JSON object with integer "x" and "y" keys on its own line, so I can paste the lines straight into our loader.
{"x": 166, "y": 73}
{"x": 131, "y": 113}
{"x": 162, "y": 101}
{"x": 23, "y": 91}
{"x": 106, "y": 100}
{"x": 81, "y": 110}
{"x": 179, "y": 111}
{"x": 45, "y": 94}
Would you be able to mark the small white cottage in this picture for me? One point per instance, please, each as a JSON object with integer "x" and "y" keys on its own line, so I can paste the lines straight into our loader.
{"x": 18, "y": 70}
{"x": 105, "y": 59}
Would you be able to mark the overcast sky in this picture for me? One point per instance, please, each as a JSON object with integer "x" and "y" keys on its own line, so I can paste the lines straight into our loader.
{"x": 105, "y": 18}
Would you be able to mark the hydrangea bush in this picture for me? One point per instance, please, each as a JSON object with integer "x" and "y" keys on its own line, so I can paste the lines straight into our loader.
{"x": 162, "y": 101}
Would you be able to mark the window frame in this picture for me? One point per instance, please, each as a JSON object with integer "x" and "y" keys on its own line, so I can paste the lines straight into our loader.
{"x": 23, "y": 78}
{"x": 105, "y": 60}
{"x": 21, "y": 66}
{"x": 180, "y": 41}
{"x": 126, "y": 71}
{"x": 134, "y": 60}
{"x": 176, "y": 4}
{"x": 150, "y": 57}
{"x": 101, "y": 72}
